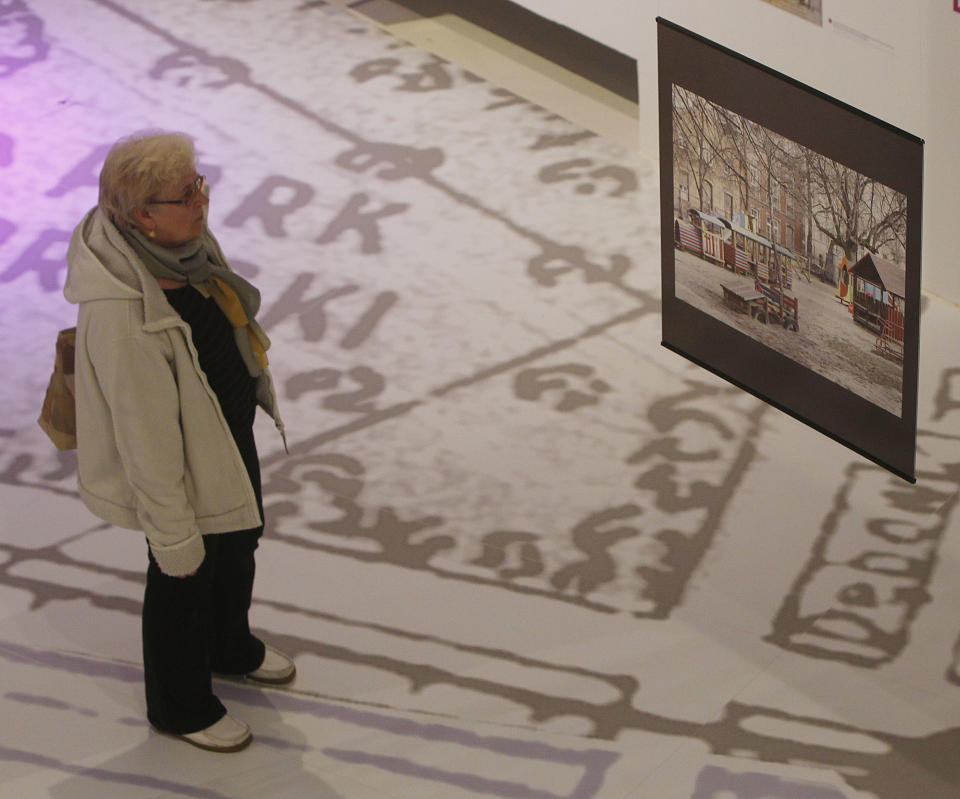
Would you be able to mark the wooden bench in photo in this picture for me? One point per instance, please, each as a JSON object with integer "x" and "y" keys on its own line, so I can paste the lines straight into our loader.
{"x": 742, "y": 296}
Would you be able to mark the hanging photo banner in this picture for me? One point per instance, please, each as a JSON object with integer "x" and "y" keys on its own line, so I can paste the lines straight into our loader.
{"x": 791, "y": 245}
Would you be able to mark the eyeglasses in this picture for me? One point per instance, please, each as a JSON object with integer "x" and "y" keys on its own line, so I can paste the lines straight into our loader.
{"x": 195, "y": 189}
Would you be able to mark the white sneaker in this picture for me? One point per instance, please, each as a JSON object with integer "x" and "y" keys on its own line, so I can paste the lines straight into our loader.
{"x": 276, "y": 669}
{"x": 227, "y": 735}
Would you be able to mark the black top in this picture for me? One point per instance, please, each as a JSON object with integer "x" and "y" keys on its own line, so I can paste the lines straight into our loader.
{"x": 220, "y": 359}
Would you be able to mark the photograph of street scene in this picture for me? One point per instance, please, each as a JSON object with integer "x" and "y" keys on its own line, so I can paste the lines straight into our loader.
{"x": 808, "y": 9}
{"x": 789, "y": 247}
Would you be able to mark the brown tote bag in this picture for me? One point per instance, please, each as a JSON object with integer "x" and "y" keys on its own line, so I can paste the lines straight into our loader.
{"x": 58, "y": 417}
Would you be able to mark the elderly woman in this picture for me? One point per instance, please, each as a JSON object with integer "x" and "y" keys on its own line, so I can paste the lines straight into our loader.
{"x": 170, "y": 368}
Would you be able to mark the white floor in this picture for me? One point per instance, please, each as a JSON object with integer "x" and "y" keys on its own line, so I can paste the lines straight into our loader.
{"x": 519, "y": 550}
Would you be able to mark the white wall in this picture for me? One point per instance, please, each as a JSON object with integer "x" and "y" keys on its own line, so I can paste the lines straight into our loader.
{"x": 941, "y": 264}
{"x": 869, "y": 56}
{"x": 893, "y": 59}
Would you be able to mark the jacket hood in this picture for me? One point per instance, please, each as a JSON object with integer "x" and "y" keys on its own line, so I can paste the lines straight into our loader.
{"x": 100, "y": 263}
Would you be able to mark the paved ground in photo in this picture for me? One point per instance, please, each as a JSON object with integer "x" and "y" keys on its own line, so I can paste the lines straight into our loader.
{"x": 827, "y": 341}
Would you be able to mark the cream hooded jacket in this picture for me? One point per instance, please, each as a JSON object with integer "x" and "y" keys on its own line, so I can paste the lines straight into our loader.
{"x": 154, "y": 450}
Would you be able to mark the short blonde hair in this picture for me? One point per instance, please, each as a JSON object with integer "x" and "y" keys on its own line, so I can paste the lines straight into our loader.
{"x": 138, "y": 167}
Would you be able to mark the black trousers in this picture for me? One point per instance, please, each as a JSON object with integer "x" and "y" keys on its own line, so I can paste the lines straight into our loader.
{"x": 196, "y": 626}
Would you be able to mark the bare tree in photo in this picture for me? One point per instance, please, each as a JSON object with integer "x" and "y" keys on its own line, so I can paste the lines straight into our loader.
{"x": 731, "y": 149}
{"x": 888, "y": 209}
{"x": 855, "y": 211}
{"x": 693, "y": 137}
{"x": 786, "y": 180}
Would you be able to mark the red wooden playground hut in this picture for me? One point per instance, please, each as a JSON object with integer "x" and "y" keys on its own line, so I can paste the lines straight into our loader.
{"x": 878, "y": 301}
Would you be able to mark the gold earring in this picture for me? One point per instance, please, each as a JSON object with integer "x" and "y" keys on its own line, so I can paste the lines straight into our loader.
{"x": 152, "y": 234}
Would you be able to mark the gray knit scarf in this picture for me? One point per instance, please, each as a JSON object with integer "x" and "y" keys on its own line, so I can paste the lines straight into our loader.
{"x": 195, "y": 262}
